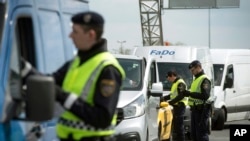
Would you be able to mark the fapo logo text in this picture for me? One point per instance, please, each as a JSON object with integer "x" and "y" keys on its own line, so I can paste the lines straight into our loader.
{"x": 239, "y": 132}
{"x": 162, "y": 52}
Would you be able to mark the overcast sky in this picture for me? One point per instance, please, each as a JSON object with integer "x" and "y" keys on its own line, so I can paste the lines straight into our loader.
{"x": 229, "y": 28}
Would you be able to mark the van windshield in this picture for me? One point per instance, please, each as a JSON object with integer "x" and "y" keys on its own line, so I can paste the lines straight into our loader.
{"x": 218, "y": 71}
{"x": 181, "y": 69}
{"x": 133, "y": 70}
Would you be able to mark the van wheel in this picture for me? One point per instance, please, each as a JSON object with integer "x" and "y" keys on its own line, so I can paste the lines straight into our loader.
{"x": 219, "y": 123}
{"x": 147, "y": 136}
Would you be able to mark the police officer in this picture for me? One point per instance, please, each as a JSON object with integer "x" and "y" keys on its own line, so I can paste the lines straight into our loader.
{"x": 179, "y": 102}
{"x": 198, "y": 95}
{"x": 89, "y": 85}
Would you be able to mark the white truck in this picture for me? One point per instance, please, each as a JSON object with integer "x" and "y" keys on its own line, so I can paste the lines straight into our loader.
{"x": 232, "y": 85}
{"x": 139, "y": 97}
{"x": 178, "y": 58}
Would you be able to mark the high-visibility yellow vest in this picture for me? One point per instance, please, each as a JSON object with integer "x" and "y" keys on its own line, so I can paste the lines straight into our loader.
{"x": 81, "y": 80}
{"x": 196, "y": 87}
{"x": 174, "y": 91}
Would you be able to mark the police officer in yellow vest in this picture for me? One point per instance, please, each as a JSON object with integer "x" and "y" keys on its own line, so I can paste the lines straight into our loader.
{"x": 89, "y": 85}
{"x": 179, "y": 102}
{"x": 198, "y": 95}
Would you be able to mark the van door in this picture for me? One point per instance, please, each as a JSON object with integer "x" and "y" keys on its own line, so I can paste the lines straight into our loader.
{"x": 242, "y": 87}
{"x": 22, "y": 41}
{"x": 153, "y": 103}
{"x": 229, "y": 89}
{"x": 12, "y": 83}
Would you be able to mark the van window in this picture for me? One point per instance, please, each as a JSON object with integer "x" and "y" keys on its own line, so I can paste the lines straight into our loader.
{"x": 14, "y": 73}
{"x": 152, "y": 77}
{"x": 229, "y": 80}
{"x": 133, "y": 71}
{"x": 70, "y": 47}
{"x": 25, "y": 39}
{"x": 52, "y": 39}
{"x": 22, "y": 43}
{"x": 2, "y": 17}
{"x": 181, "y": 69}
{"x": 218, "y": 72}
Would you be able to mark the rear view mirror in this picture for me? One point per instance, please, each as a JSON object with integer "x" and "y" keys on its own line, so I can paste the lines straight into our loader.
{"x": 40, "y": 98}
{"x": 157, "y": 90}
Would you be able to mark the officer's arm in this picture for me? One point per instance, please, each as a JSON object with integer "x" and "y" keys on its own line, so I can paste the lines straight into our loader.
{"x": 60, "y": 74}
{"x": 105, "y": 100}
{"x": 180, "y": 88}
{"x": 28, "y": 70}
{"x": 205, "y": 90}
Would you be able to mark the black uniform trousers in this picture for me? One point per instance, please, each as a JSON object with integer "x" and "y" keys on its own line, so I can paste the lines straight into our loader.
{"x": 178, "y": 133}
{"x": 199, "y": 124}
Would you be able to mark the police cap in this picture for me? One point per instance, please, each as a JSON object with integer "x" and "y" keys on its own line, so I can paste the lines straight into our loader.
{"x": 88, "y": 18}
{"x": 194, "y": 64}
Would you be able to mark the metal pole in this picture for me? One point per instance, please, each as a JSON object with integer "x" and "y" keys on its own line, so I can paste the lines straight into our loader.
{"x": 121, "y": 46}
{"x": 209, "y": 36}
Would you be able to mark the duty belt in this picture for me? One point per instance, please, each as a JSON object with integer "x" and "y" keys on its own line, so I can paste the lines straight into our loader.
{"x": 81, "y": 125}
{"x": 179, "y": 104}
{"x": 197, "y": 107}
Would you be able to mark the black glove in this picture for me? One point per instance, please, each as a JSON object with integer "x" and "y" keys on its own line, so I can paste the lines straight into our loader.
{"x": 186, "y": 93}
{"x": 170, "y": 102}
{"x": 166, "y": 97}
{"x": 26, "y": 68}
{"x": 60, "y": 95}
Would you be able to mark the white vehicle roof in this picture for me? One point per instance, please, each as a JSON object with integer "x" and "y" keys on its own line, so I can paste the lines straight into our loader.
{"x": 128, "y": 56}
{"x": 220, "y": 56}
{"x": 184, "y": 54}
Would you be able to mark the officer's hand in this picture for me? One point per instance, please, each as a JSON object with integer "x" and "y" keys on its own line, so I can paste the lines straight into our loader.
{"x": 60, "y": 95}
{"x": 186, "y": 93}
{"x": 170, "y": 102}
{"x": 26, "y": 68}
{"x": 166, "y": 97}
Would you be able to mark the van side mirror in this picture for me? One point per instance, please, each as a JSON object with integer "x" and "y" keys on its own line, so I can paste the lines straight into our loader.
{"x": 40, "y": 98}
{"x": 157, "y": 90}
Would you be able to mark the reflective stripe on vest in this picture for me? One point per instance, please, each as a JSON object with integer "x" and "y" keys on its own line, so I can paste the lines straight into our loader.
{"x": 174, "y": 92}
{"x": 196, "y": 87}
{"x": 79, "y": 80}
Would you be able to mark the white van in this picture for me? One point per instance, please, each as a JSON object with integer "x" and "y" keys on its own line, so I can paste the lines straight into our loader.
{"x": 138, "y": 99}
{"x": 178, "y": 58}
{"x": 38, "y": 31}
{"x": 232, "y": 85}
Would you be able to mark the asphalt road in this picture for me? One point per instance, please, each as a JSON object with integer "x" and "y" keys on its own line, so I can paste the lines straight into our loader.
{"x": 223, "y": 135}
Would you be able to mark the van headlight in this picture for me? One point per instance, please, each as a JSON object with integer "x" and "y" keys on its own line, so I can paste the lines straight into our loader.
{"x": 135, "y": 109}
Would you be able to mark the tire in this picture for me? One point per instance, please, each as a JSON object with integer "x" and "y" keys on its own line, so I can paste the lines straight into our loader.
{"x": 147, "y": 138}
{"x": 219, "y": 123}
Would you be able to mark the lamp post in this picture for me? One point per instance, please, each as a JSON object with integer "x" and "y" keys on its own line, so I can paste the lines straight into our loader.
{"x": 121, "y": 46}
{"x": 209, "y": 29}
